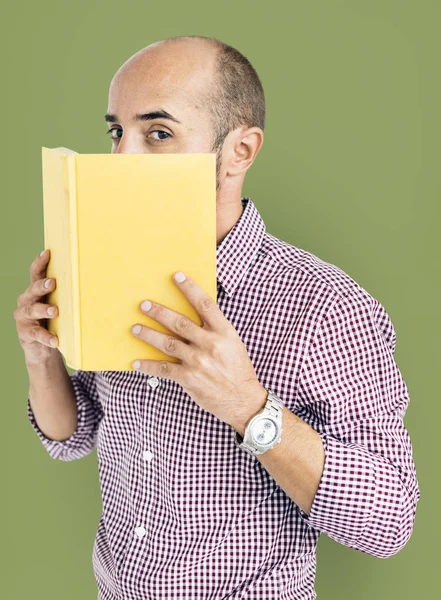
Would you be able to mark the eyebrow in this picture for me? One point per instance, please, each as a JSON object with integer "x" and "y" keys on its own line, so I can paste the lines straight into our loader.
{"x": 157, "y": 114}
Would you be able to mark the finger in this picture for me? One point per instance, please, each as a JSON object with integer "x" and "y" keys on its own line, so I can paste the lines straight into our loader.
{"x": 166, "y": 343}
{"x": 36, "y": 333}
{"x": 37, "y": 310}
{"x": 175, "y": 322}
{"x": 38, "y": 267}
{"x": 204, "y": 305}
{"x": 36, "y": 291}
{"x": 161, "y": 368}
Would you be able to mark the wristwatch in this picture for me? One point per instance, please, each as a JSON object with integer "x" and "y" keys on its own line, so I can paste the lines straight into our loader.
{"x": 264, "y": 430}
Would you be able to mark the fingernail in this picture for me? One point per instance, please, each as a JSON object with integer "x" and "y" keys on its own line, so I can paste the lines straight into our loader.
{"x": 41, "y": 253}
{"x": 179, "y": 277}
{"x": 146, "y": 305}
{"x": 47, "y": 283}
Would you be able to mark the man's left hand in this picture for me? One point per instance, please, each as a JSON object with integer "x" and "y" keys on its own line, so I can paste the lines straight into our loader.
{"x": 214, "y": 369}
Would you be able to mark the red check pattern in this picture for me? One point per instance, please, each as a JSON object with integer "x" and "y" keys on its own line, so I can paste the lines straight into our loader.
{"x": 187, "y": 514}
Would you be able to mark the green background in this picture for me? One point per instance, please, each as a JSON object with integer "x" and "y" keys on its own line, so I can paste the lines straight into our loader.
{"x": 349, "y": 170}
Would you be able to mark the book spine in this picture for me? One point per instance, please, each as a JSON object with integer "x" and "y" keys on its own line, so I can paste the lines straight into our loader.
{"x": 71, "y": 175}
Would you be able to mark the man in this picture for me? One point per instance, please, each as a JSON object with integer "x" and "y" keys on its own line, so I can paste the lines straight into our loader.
{"x": 284, "y": 418}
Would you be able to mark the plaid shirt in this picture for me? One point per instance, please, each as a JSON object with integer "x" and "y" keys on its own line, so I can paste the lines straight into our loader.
{"x": 187, "y": 514}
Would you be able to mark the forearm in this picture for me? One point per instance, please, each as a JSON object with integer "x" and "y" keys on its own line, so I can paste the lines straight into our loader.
{"x": 296, "y": 463}
{"x": 52, "y": 398}
{"x": 356, "y": 497}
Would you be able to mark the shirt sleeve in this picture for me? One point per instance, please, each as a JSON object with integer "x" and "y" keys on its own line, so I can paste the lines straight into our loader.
{"x": 352, "y": 393}
{"x": 90, "y": 413}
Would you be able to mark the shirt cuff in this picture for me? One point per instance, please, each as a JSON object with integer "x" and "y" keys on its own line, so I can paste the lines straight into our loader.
{"x": 84, "y": 438}
{"x": 345, "y": 497}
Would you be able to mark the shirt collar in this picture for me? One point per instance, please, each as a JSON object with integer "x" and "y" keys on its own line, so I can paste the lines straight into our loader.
{"x": 239, "y": 247}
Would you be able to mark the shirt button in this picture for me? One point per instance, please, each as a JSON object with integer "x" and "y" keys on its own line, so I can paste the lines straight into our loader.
{"x": 140, "y": 531}
{"x": 147, "y": 455}
{"x": 153, "y": 382}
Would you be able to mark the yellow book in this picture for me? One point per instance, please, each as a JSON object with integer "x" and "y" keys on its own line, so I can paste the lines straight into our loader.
{"x": 118, "y": 226}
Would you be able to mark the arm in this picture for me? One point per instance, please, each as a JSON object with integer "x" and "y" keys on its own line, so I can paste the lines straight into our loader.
{"x": 64, "y": 410}
{"x": 360, "y": 488}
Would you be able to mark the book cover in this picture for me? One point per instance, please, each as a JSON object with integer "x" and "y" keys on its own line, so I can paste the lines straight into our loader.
{"x": 118, "y": 226}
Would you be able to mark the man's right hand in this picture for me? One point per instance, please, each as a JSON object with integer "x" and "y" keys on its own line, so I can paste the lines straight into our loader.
{"x": 31, "y": 314}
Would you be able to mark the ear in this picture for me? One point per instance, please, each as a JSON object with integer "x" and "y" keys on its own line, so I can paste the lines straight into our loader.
{"x": 245, "y": 145}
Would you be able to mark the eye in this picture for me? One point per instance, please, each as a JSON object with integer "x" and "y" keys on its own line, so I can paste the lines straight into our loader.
{"x": 161, "y": 131}
{"x": 114, "y": 129}
{"x": 158, "y": 131}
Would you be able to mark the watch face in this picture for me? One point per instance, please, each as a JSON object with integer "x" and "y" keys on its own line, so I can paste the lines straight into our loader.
{"x": 264, "y": 432}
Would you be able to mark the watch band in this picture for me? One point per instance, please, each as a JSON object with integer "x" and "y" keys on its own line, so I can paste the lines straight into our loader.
{"x": 272, "y": 410}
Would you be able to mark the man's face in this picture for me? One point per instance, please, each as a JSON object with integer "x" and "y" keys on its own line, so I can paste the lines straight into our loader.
{"x": 156, "y": 102}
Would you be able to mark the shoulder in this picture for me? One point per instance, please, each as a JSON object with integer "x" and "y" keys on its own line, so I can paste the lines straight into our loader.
{"x": 326, "y": 283}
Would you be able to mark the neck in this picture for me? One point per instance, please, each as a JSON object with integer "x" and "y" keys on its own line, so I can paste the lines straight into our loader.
{"x": 227, "y": 215}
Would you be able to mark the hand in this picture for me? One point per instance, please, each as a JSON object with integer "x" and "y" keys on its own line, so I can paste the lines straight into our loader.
{"x": 215, "y": 369}
{"x": 31, "y": 314}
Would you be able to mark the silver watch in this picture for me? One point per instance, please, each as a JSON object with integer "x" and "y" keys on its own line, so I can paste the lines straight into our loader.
{"x": 264, "y": 430}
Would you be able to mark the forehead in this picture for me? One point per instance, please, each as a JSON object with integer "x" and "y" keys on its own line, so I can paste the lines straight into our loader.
{"x": 175, "y": 78}
{"x": 165, "y": 73}
{"x": 129, "y": 95}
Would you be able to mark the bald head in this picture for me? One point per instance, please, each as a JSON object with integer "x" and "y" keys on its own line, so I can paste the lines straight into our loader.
{"x": 184, "y": 66}
{"x": 193, "y": 92}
